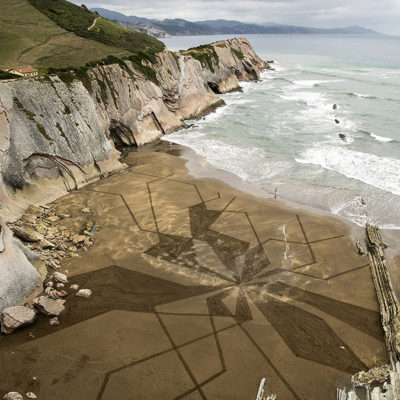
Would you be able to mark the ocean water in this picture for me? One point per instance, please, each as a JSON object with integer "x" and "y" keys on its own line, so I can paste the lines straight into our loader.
{"x": 281, "y": 132}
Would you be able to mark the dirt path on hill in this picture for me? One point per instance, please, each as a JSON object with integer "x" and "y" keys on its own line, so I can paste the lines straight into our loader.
{"x": 94, "y": 23}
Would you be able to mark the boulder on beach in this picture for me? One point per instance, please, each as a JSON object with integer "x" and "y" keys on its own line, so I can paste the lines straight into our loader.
{"x": 84, "y": 293}
{"x": 16, "y": 317}
{"x": 49, "y": 306}
{"x": 60, "y": 278}
{"x": 18, "y": 277}
{"x": 13, "y": 396}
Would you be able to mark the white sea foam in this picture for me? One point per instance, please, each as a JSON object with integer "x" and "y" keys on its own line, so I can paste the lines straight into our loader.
{"x": 249, "y": 163}
{"x": 381, "y": 172}
{"x": 313, "y": 82}
{"x": 382, "y": 138}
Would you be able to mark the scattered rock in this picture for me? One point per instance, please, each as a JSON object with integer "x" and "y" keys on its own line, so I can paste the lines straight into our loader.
{"x": 85, "y": 210}
{"x": 54, "y": 321}
{"x": 49, "y": 306}
{"x": 334, "y": 107}
{"x": 15, "y": 317}
{"x": 13, "y": 396}
{"x": 53, "y": 218}
{"x": 63, "y": 216}
{"x": 79, "y": 239}
{"x": 60, "y": 277}
{"x": 60, "y": 285}
{"x": 31, "y": 395}
{"x": 373, "y": 376}
{"x": 26, "y": 234}
{"x": 53, "y": 264}
{"x": 360, "y": 250}
{"x": 47, "y": 244}
{"x": 342, "y": 136}
{"x": 50, "y": 284}
{"x": 90, "y": 225}
{"x": 336, "y": 120}
{"x": 74, "y": 286}
{"x": 31, "y": 335}
{"x": 57, "y": 294}
{"x": 84, "y": 293}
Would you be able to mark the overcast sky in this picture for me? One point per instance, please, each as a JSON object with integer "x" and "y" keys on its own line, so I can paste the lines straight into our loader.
{"x": 381, "y": 15}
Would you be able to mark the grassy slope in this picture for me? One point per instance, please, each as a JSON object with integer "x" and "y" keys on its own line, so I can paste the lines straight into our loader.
{"x": 78, "y": 19}
{"x": 28, "y": 37}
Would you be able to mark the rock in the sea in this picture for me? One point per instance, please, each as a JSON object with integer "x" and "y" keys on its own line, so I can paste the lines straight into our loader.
{"x": 15, "y": 317}
{"x": 13, "y": 396}
{"x": 84, "y": 293}
{"x": 31, "y": 395}
{"x": 49, "y": 306}
{"x": 54, "y": 321}
{"x": 60, "y": 277}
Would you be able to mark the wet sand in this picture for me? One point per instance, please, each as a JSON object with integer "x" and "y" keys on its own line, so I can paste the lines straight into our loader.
{"x": 199, "y": 291}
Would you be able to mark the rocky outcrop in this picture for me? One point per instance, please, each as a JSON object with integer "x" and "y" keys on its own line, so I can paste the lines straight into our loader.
{"x": 383, "y": 382}
{"x": 58, "y": 133}
{"x": 18, "y": 277}
{"x": 16, "y": 317}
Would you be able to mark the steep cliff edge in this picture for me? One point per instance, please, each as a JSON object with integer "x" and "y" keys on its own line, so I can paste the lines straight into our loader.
{"x": 59, "y": 132}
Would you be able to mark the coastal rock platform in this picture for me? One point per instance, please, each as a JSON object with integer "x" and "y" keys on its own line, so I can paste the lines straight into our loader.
{"x": 198, "y": 292}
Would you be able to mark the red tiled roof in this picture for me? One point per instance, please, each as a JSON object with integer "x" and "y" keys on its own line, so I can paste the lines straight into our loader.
{"x": 25, "y": 70}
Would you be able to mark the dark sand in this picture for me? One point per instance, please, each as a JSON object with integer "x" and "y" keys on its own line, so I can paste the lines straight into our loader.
{"x": 194, "y": 298}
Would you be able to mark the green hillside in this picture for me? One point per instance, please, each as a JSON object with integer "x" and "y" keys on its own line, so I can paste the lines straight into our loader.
{"x": 79, "y": 20}
{"x": 54, "y": 33}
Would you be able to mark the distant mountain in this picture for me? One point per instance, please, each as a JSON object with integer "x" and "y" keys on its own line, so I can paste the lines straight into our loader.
{"x": 181, "y": 27}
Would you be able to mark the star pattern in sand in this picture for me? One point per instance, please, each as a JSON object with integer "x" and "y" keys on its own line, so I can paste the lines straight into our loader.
{"x": 234, "y": 307}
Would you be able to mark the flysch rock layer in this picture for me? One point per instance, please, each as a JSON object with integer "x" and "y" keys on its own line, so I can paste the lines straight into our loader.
{"x": 56, "y": 136}
{"x": 18, "y": 277}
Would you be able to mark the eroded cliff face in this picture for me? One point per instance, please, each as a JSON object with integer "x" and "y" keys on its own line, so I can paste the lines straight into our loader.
{"x": 57, "y": 135}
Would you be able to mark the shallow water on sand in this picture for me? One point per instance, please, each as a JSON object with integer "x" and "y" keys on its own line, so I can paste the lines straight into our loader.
{"x": 281, "y": 132}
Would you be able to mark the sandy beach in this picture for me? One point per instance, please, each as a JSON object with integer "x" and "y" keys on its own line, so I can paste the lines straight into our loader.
{"x": 199, "y": 291}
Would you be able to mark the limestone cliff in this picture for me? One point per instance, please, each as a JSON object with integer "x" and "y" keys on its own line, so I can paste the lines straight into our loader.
{"x": 61, "y": 131}
{"x": 58, "y": 134}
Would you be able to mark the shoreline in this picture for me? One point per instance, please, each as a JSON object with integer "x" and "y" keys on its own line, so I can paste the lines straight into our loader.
{"x": 200, "y": 168}
{"x": 208, "y": 262}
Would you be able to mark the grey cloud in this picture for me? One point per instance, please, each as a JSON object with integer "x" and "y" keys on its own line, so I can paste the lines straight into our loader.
{"x": 379, "y": 15}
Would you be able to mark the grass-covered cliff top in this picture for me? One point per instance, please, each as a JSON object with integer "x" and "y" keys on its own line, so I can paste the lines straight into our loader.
{"x": 87, "y": 24}
{"x": 56, "y": 33}
{"x": 207, "y": 54}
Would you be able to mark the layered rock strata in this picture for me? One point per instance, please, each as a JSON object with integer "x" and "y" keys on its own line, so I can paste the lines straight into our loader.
{"x": 57, "y": 134}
